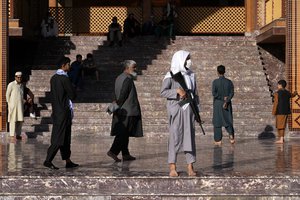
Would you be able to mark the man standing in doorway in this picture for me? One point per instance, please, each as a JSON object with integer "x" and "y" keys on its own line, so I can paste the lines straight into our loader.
{"x": 127, "y": 120}
{"x": 222, "y": 91}
{"x": 62, "y": 93}
{"x": 14, "y": 99}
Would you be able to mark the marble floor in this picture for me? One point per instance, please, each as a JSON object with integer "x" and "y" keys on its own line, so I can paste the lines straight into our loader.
{"x": 248, "y": 157}
{"x": 250, "y": 169}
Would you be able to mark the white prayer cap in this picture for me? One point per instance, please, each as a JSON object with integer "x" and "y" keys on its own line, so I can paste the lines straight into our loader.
{"x": 18, "y": 74}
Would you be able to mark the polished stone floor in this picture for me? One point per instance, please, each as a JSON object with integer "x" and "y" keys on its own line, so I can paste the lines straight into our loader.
{"x": 248, "y": 157}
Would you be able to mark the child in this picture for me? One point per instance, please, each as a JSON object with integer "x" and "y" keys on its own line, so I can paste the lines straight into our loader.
{"x": 281, "y": 108}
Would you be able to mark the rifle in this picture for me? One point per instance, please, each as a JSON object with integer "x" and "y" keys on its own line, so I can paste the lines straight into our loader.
{"x": 189, "y": 99}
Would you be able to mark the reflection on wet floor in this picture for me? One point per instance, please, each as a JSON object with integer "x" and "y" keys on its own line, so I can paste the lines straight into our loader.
{"x": 248, "y": 157}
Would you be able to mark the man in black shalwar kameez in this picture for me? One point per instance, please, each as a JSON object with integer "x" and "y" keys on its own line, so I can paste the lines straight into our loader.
{"x": 62, "y": 92}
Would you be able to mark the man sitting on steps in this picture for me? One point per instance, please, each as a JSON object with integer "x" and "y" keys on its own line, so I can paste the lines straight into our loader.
{"x": 89, "y": 66}
{"x": 114, "y": 32}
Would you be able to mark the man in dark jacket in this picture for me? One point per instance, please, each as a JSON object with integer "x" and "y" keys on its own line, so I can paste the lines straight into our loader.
{"x": 127, "y": 120}
{"x": 62, "y": 93}
{"x": 222, "y": 91}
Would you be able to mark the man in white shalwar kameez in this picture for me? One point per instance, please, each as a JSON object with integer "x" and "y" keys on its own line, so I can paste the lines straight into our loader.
{"x": 14, "y": 99}
{"x": 181, "y": 118}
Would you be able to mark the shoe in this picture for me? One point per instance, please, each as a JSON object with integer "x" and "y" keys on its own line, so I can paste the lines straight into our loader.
{"x": 50, "y": 165}
{"x": 128, "y": 157}
{"x": 71, "y": 165}
{"x": 113, "y": 156}
{"x": 32, "y": 115}
{"x": 18, "y": 137}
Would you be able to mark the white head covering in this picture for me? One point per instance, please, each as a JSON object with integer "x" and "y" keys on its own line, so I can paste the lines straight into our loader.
{"x": 178, "y": 60}
{"x": 177, "y": 63}
{"x": 18, "y": 74}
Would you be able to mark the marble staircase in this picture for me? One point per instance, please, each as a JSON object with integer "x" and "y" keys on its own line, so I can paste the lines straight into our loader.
{"x": 251, "y": 104}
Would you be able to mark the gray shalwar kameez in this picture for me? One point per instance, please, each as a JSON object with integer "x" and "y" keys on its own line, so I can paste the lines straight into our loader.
{"x": 181, "y": 123}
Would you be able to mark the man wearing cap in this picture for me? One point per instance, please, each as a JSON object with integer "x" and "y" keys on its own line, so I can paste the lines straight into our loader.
{"x": 14, "y": 99}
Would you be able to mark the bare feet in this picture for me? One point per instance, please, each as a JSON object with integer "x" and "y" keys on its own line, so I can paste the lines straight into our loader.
{"x": 173, "y": 172}
{"x": 218, "y": 143}
{"x": 191, "y": 171}
{"x": 280, "y": 141}
{"x": 231, "y": 138}
{"x": 12, "y": 139}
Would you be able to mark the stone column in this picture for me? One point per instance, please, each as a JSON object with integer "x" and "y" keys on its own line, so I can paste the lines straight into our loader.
{"x": 147, "y": 7}
{"x": 293, "y": 58}
{"x": 251, "y": 16}
{"x": 3, "y": 60}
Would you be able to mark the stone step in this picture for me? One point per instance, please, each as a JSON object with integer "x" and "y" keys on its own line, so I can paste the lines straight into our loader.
{"x": 90, "y": 120}
{"x": 209, "y": 77}
{"x": 148, "y": 129}
{"x": 201, "y": 66}
{"x": 246, "y": 113}
{"x": 161, "y": 101}
{"x": 90, "y": 81}
{"x": 155, "y": 81}
{"x": 154, "y": 75}
{"x": 199, "y": 63}
{"x": 157, "y": 77}
{"x": 156, "y": 89}
{"x": 211, "y": 70}
{"x": 167, "y": 54}
{"x": 161, "y": 107}
{"x": 153, "y": 101}
{"x": 143, "y": 85}
{"x": 267, "y": 101}
{"x": 150, "y": 97}
{"x": 239, "y": 63}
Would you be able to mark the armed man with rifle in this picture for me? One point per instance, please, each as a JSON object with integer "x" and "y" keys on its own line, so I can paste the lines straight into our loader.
{"x": 180, "y": 88}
